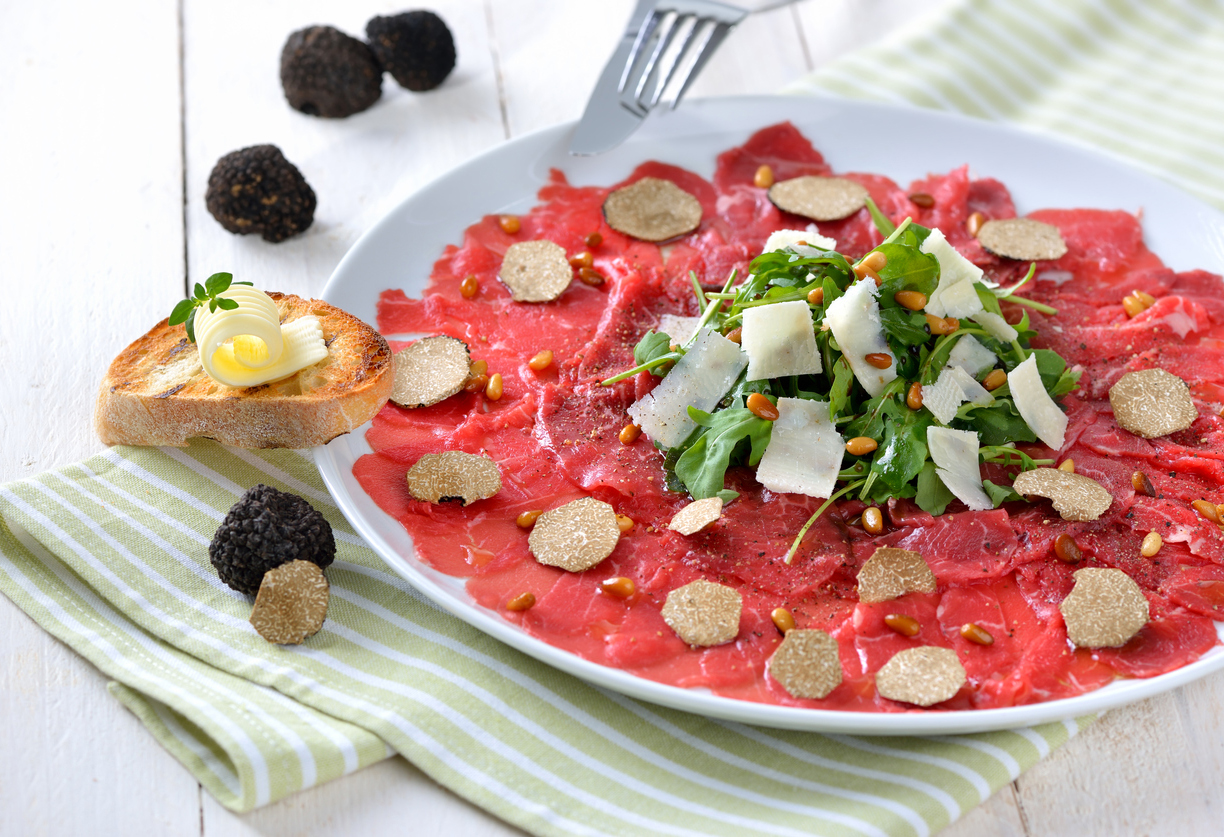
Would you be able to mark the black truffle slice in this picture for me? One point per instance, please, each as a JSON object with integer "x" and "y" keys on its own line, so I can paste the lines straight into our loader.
{"x": 325, "y": 72}
{"x": 264, "y": 529}
{"x": 256, "y": 190}
{"x": 416, "y": 48}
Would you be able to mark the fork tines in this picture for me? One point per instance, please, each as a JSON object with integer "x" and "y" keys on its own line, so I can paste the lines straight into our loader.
{"x": 673, "y": 43}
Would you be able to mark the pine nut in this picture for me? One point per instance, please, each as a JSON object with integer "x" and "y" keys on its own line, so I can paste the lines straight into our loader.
{"x": 875, "y": 260}
{"x": 764, "y": 177}
{"x": 873, "y": 520}
{"x": 583, "y": 259}
{"x": 922, "y": 199}
{"x": 913, "y": 397}
{"x": 1133, "y": 306}
{"x": 861, "y": 445}
{"x": 1152, "y": 542}
{"x": 995, "y": 379}
{"x": 762, "y": 407}
{"x": 902, "y": 624}
{"x": 629, "y": 434}
{"x": 783, "y": 619}
{"x": 510, "y": 224}
{"x": 862, "y": 271}
{"x": 1142, "y": 484}
{"x": 478, "y": 368}
{"x": 469, "y": 287}
{"x": 816, "y": 296}
{"x": 523, "y": 601}
{"x": 1147, "y": 299}
{"x": 476, "y": 383}
{"x": 494, "y": 389}
{"x": 624, "y": 522}
{"x": 976, "y": 634}
{"x": 620, "y": 587}
{"x": 942, "y": 325}
{"x": 593, "y": 240}
{"x": 590, "y": 276}
{"x": 541, "y": 360}
{"x": 974, "y": 223}
{"x": 735, "y": 335}
{"x": 879, "y": 360}
{"x": 1207, "y": 510}
{"x": 528, "y": 518}
{"x": 1067, "y": 465}
{"x": 1067, "y": 550}
{"x": 913, "y": 300}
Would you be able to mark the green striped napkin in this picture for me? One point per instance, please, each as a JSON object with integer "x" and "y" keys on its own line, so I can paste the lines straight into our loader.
{"x": 111, "y": 556}
{"x": 1142, "y": 79}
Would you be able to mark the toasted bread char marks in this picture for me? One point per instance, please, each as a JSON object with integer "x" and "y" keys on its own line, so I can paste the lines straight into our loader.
{"x": 157, "y": 393}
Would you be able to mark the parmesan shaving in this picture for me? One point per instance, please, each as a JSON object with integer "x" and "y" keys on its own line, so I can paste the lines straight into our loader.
{"x": 953, "y": 270}
{"x": 795, "y": 239}
{"x": 969, "y": 354}
{"x": 699, "y": 379}
{"x": 955, "y": 454}
{"x": 854, "y": 318}
{"x": 1036, "y": 406}
{"x": 952, "y": 388}
{"x": 805, "y": 450}
{"x": 996, "y": 326}
{"x": 779, "y": 341}
{"x": 679, "y": 329}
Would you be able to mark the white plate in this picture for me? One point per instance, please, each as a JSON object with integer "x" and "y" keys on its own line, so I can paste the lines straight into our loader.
{"x": 902, "y": 143}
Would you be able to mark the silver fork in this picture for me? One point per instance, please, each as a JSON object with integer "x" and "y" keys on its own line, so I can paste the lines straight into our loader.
{"x": 665, "y": 42}
{"x": 702, "y": 26}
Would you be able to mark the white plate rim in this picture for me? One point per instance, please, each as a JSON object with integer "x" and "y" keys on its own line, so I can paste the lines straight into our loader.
{"x": 1190, "y": 233}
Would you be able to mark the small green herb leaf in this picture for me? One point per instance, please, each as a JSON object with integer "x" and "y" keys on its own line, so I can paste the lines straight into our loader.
{"x": 703, "y": 467}
{"x": 933, "y": 496}
{"x": 181, "y": 312}
{"x": 208, "y": 294}
{"x": 218, "y": 283}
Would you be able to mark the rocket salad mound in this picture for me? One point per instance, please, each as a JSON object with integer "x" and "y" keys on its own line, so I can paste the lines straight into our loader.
{"x": 846, "y": 478}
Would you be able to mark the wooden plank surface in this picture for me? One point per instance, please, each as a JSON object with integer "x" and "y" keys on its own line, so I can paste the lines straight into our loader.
{"x": 104, "y": 168}
{"x": 91, "y": 235}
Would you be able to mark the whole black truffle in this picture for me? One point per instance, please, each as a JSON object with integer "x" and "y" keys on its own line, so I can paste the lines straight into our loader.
{"x": 256, "y": 190}
{"x": 416, "y": 48}
{"x": 264, "y": 529}
{"x": 325, "y": 72}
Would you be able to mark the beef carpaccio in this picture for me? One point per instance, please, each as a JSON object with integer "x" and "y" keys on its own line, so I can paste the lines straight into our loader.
{"x": 555, "y": 436}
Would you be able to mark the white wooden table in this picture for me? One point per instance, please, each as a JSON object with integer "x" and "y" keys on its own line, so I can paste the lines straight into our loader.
{"x": 111, "y": 117}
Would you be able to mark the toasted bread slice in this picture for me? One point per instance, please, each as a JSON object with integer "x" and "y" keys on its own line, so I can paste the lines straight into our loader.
{"x": 157, "y": 393}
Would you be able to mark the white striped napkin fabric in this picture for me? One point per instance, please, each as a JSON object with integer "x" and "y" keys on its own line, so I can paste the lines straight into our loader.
{"x": 1141, "y": 79}
{"x": 111, "y": 556}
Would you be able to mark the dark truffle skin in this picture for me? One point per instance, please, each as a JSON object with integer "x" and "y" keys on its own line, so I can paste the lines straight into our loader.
{"x": 264, "y": 529}
{"x": 325, "y": 72}
{"x": 416, "y": 48}
{"x": 256, "y": 190}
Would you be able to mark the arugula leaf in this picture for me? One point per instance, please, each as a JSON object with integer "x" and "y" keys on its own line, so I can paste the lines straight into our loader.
{"x": 933, "y": 496}
{"x": 703, "y": 467}
{"x": 908, "y": 268}
{"x": 1067, "y": 381}
{"x": 1000, "y": 423}
{"x": 905, "y": 326}
{"x": 1050, "y": 365}
{"x": 839, "y": 393}
{"x": 653, "y": 345}
{"x": 1000, "y": 494}
{"x": 903, "y": 453}
{"x": 885, "y": 226}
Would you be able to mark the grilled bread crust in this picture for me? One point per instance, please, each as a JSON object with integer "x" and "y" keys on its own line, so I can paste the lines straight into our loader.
{"x": 157, "y": 393}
